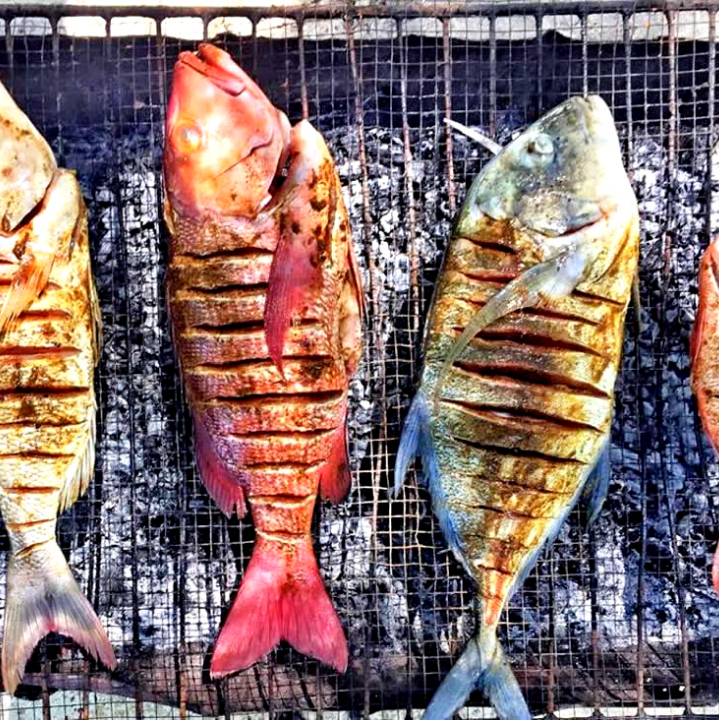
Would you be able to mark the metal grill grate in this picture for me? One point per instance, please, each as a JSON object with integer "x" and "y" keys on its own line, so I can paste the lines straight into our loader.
{"x": 622, "y": 617}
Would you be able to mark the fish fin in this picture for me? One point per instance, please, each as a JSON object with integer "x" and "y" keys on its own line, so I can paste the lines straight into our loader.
{"x": 335, "y": 476}
{"x": 352, "y": 312}
{"x": 308, "y": 203}
{"x": 222, "y": 485}
{"x": 281, "y": 597}
{"x": 28, "y": 282}
{"x": 597, "y": 484}
{"x": 80, "y": 472}
{"x": 416, "y": 427}
{"x": 538, "y": 286}
{"x": 637, "y": 302}
{"x": 417, "y": 440}
{"x": 43, "y": 597}
{"x": 481, "y": 666}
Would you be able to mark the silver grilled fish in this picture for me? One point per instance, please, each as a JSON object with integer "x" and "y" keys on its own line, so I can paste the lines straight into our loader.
{"x": 522, "y": 347}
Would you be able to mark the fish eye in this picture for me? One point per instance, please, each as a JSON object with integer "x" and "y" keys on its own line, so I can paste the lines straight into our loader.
{"x": 187, "y": 137}
{"x": 541, "y": 145}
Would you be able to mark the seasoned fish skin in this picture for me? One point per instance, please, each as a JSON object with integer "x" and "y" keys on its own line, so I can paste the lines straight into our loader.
{"x": 50, "y": 333}
{"x": 265, "y": 302}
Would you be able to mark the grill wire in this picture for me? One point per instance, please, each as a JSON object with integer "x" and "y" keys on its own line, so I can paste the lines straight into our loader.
{"x": 622, "y": 616}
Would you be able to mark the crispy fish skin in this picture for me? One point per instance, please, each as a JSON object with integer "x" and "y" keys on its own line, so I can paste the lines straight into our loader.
{"x": 704, "y": 354}
{"x": 266, "y": 303}
{"x": 49, "y": 335}
{"x": 522, "y": 347}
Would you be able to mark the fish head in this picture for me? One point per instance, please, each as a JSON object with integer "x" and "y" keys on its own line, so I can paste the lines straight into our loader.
{"x": 27, "y": 165}
{"x": 224, "y": 140}
{"x": 563, "y": 173}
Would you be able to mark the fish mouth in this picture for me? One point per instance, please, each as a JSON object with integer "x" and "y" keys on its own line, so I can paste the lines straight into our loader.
{"x": 218, "y": 67}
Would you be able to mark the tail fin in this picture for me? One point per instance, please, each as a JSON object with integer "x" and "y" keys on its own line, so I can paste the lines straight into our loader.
{"x": 481, "y": 666}
{"x": 43, "y": 597}
{"x": 281, "y": 597}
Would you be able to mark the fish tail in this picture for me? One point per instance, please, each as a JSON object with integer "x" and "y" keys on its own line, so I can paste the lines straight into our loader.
{"x": 281, "y": 597}
{"x": 43, "y": 597}
{"x": 482, "y": 666}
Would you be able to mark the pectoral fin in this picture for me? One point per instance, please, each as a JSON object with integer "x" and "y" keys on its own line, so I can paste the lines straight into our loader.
{"x": 538, "y": 286}
{"x": 305, "y": 207}
{"x": 597, "y": 485}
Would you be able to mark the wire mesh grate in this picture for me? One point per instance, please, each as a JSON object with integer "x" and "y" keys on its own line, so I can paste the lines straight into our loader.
{"x": 621, "y": 617}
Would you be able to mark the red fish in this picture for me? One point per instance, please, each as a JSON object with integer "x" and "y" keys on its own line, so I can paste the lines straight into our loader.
{"x": 704, "y": 354}
{"x": 266, "y": 302}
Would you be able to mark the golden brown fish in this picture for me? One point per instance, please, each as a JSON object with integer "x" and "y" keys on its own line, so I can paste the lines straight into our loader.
{"x": 49, "y": 334}
{"x": 512, "y": 417}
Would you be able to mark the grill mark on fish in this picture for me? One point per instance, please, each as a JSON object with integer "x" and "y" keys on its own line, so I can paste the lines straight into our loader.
{"x": 15, "y": 526}
{"x": 497, "y": 479}
{"x": 251, "y": 400}
{"x": 259, "y": 364}
{"x": 229, "y": 288}
{"x": 55, "y": 390}
{"x": 530, "y": 339}
{"x": 229, "y": 328}
{"x": 42, "y": 315}
{"x": 204, "y": 262}
{"x": 532, "y": 376}
{"x": 281, "y": 501}
{"x": 282, "y": 536}
{"x": 239, "y": 252}
{"x": 519, "y": 416}
{"x": 36, "y": 454}
{"x": 238, "y": 293}
{"x": 483, "y": 566}
{"x": 44, "y": 422}
{"x": 286, "y": 466}
{"x": 504, "y": 512}
{"x": 18, "y": 352}
{"x": 592, "y": 297}
{"x": 301, "y": 435}
{"x": 497, "y": 278}
{"x": 32, "y": 548}
{"x": 488, "y": 244}
{"x": 30, "y": 489}
{"x": 518, "y": 453}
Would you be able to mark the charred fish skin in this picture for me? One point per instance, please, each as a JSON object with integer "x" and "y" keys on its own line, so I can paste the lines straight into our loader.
{"x": 704, "y": 352}
{"x": 266, "y": 303}
{"x": 523, "y": 343}
{"x": 49, "y": 338}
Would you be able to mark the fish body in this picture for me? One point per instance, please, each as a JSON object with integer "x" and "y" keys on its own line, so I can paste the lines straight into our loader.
{"x": 704, "y": 355}
{"x": 265, "y": 301}
{"x": 522, "y": 348}
{"x": 49, "y": 336}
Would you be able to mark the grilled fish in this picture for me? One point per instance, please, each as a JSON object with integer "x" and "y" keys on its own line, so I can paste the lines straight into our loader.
{"x": 49, "y": 335}
{"x": 266, "y": 302}
{"x": 704, "y": 354}
{"x": 522, "y": 347}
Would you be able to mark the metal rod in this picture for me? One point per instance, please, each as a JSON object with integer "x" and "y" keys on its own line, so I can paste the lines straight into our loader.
{"x": 303, "y": 70}
{"x": 347, "y": 8}
{"x": 408, "y": 190}
{"x": 447, "y": 62}
{"x": 492, "y": 75}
